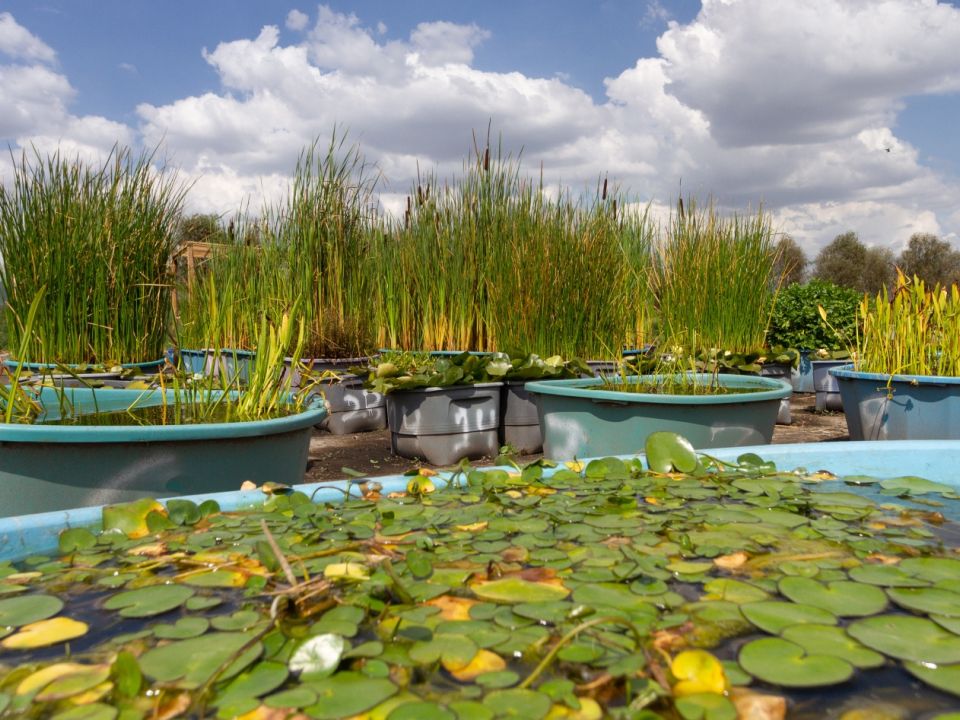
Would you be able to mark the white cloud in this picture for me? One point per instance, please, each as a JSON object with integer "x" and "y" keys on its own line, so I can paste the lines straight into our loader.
{"x": 128, "y": 68}
{"x": 20, "y": 44}
{"x": 297, "y": 20}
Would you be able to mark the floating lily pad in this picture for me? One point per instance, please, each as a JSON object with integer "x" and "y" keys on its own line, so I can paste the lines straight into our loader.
{"x": 149, "y": 601}
{"x": 942, "y": 677}
{"x": 191, "y": 663}
{"x": 932, "y": 569}
{"x": 182, "y": 629}
{"x": 346, "y": 694}
{"x": 781, "y": 662}
{"x": 318, "y": 657}
{"x": 735, "y": 591}
{"x": 421, "y": 710}
{"x": 885, "y": 576}
{"x": 26, "y": 609}
{"x": 518, "y": 703}
{"x": 73, "y": 683}
{"x": 907, "y": 638}
{"x": 842, "y": 598}
{"x": 45, "y": 632}
{"x": 518, "y": 590}
{"x": 668, "y": 452}
{"x": 706, "y": 706}
{"x": 911, "y": 485}
{"x": 774, "y": 616}
{"x": 93, "y": 711}
{"x": 927, "y": 600}
{"x": 833, "y": 641}
{"x": 259, "y": 680}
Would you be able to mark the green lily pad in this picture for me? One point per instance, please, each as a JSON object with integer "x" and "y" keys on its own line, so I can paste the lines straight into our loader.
{"x": 93, "y": 711}
{"x": 910, "y": 485}
{"x": 518, "y": 590}
{"x": 833, "y": 641}
{"x": 885, "y": 576}
{"x": 942, "y": 677}
{"x": 706, "y": 706}
{"x": 518, "y": 703}
{"x": 421, "y": 710}
{"x": 297, "y": 697}
{"x": 781, "y": 662}
{"x": 149, "y": 601}
{"x": 186, "y": 627}
{"x": 773, "y": 616}
{"x": 76, "y": 539}
{"x": 498, "y": 679}
{"x": 907, "y": 638}
{"x": 73, "y": 684}
{"x": 950, "y": 623}
{"x": 612, "y": 595}
{"x": 191, "y": 663}
{"x": 932, "y": 569}
{"x": 452, "y": 648}
{"x": 842, "y": 598}
{"x": 346, "y": 694}
{"x": 26, "y": 609}
{"x": 735, "y": 591}
{"x": 259, "y": 680}
{"x": 932, "y": 601}
{"x": 240, "y": 620}
{"x": 668, "y": 452}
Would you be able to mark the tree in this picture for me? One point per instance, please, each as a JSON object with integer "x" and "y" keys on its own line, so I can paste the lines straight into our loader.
{"x": 200, "y": 228}
{"x": 931, "y": 259}
{"x": 791, "y": 263}
{"x": 848, "y": 262}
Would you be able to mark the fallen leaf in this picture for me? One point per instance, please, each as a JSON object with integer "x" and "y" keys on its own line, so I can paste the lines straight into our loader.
{"x": 452, "y": 608}
{"x": 41, "y": 678}
{"x": 731, "y": 561}
{"x": 755, "y": 706}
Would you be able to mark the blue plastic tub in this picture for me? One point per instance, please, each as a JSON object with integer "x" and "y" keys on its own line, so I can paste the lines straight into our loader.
{"x": 151, "y": 366}
{"x": 49, "y": 467}
{"x": 232, "y": 364}
{"x": 899, "y": 407}
{"x": 933, "y": 459}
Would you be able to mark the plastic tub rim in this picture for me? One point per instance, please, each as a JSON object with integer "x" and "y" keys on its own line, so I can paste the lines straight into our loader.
{"x": 846, "y": 372}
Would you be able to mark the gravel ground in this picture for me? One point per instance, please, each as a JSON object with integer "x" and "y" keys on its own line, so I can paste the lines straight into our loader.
{"x": 370, "y": 452}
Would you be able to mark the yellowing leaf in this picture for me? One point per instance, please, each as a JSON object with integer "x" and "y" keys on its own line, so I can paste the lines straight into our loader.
{"x": 45, "y": 632}
{"x": 427, "y": 472}
{"x": 41, "y": 678}
{"x": 574, "y": 465}
{"x": 346, "y": 571}
{"x": 131, "y": 518}
{"x": 515, "y": 494}
{"x": 453, "y": 608}
{"x": 76, "y": 684}
{"x": 483, "y": 662}
{"x": 731, "y": 561}
{"x": 472, "y": 527}
{"x": 697, "y": 671}
{"x": 589, "y": 710}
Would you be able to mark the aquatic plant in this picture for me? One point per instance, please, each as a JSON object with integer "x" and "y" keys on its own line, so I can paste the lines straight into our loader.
{"x": 796, "y": 322}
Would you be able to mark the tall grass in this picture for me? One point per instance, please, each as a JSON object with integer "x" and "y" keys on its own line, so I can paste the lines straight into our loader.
{"x": 488, "y": 261}
{"x": 98, "y": 238}
{"x": 915, "y": 332}
{"x": 712, "y": 277}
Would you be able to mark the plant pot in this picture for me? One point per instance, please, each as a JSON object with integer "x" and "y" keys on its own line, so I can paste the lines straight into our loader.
{"x": 825, "y": 384}
{"x": 519, "y": 419}
{"x": 802, "y": 375}
{"x": 150, "y": 366}
{"x": 321, "y": 365}
{"x": 580, "y": 421}
{"x": 445, "y": 425}
{"x": 351, "y": 408}
{"x": 229, "y": 364}
{"x": 52, "y": 467}
{"x": 901, "y": 407}
{"x": 780, "y": 371}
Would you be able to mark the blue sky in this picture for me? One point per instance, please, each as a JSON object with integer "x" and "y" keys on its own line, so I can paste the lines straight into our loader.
{"x": 835, "y": 114}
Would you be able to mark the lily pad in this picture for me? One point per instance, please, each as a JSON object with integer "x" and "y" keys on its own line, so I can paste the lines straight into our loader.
{"x": 842, "y": 598}
{"x": 26, "y": 609}
{"x": 668, "y": 452}
{"x": 781, "y": 662}
{"x": 186, "y": 627}
{"x": 346, "y": 694}
{"x": 45, "y": 632}
{"x": 318, "y": 657}
{"x": 833, "y": 641}
{"x": 942, "y": 677}
{"x": 149, "y": 601}
{"x": 932, "y": 601}
{"x": 518, "y": 703}
{"x": 262, "y": 678}
{"x": 907, "y": 638}
{"x": 932, "y": 569}
{"x": 191, "y": 663}
{"x": 885, "y": 576}
{"x": 774, "y": 616}
{"x": 518, "y": 590}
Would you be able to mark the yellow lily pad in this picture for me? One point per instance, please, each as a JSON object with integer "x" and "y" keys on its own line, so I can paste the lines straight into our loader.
{"x": 45, "y": 632}
{"x": 41, "y": 678}
{"x": 697, "y": 671}
{"x": 483, "y": 662}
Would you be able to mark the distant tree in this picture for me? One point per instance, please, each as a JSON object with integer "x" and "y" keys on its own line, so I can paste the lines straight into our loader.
{"x": 791, "y": 263}
{"x": 848, "y": 262}
{"x": 200, "y": 228}
{"x": 931, "y": 259}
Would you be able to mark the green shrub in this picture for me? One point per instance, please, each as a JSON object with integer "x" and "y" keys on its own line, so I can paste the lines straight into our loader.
{"x": 796, "y": 321}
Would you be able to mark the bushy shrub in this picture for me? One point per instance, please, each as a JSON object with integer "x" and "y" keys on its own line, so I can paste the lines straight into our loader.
{"x": 796, "y": 321}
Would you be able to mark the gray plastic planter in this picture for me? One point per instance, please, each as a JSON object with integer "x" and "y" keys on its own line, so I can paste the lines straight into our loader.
{"x": 901, "y": 407}
{"x": 825, "y": 384}
{"x": 781, "y": 371}
{"x": 445, "y": 425}
{"x": 50, "y": 467}
{"x": 802, "y": 375}
{"x": 351, "y": 408}
{"x": 578, "y": 420}
{"x": 519, "y": 419}
{"x": 320, "y": 365}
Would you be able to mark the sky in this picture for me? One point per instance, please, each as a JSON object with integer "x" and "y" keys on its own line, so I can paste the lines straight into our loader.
{"x": 832, "y": 115}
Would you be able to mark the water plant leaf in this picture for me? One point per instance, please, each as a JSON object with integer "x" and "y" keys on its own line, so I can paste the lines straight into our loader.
{"x": 518, "y": 703}
{"x": 262, "y": 678}
{"x": 74, "y": 683}
{"x": 732, "y": 590}
{"x": 942, "y": 677}
{"x": 149, "y": 601}
{"x": 131, "y": 518}
{"x": 910, "y": 485}
{"x": 518, "y": 590}
{"x": 483, "y": 662}
{"x": 183, "y": 628}
{"x": 885, "y": 576}
{"x": 932, "y": 569}
{"x": 669, "y": 452}
{"x": 94, "y": 711}
{"x": 26, "y": 609}
{"x": 781, "y": 662}
{"x": 75, "y": 539}
{"x": 421, "y": 710}
{"x": 698, "y": 672}
{"x": 706, "y": 706}
{"x": 191, "y": 663}
{"x": 907, "y": 638}
{"x": 842, "y": 598}
{"x": 346, "y": 694}
{"x": 39, "y": 679}
{"x": 774, "y": 616}
{"x": 126, "y": 674}
{"x": 45, "y": 632}
{"x": 319, "y": 656}
{"x": 454, "y": 650}
{"x": 833, "y": 641}
{"x": 927, "y": 600}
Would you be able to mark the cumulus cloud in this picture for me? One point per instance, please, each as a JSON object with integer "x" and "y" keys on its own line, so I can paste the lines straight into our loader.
{"x": 297, "y": 20}
{"x": 20, "y": 44}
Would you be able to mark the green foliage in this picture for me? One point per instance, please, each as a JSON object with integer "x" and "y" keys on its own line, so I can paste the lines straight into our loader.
{"x": 931, "y": 259}
{"x": 98, "y": 238}
{"x": 847, "y": 261}
{"x": 791, "y": 264}
{"x": 796, "y": 321}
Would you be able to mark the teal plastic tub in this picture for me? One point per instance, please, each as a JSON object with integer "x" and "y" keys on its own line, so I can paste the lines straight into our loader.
{"x": 151, "y": 366}
{"x": 899, "y": 407}
{"x": 931, "y": 459}
{"x": 231, "y": 364}
{"x": 50, "y": 467}
{"x": 578, "y": 420}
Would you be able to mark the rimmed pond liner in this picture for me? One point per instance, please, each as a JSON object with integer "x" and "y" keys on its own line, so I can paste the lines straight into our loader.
{"x": 898, "y": 407}
{"x": 48, "y": 467}
{"x": 579, "y": 420}
{"x": 632, "y": 563}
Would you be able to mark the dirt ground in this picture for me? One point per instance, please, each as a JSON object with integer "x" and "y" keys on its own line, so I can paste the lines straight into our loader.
{"x": 369, "y": 453}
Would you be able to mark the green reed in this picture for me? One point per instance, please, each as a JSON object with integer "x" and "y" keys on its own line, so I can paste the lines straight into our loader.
{"x": 98, "y": 238}
{"x": 713, "y": 279}
{"x": 914, "y": 332}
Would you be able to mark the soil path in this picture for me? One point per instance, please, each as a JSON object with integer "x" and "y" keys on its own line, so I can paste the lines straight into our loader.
{"x": 369, "y": 453}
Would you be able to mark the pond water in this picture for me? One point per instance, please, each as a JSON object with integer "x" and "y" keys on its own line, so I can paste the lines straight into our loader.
{"x": 577, "y": 592}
